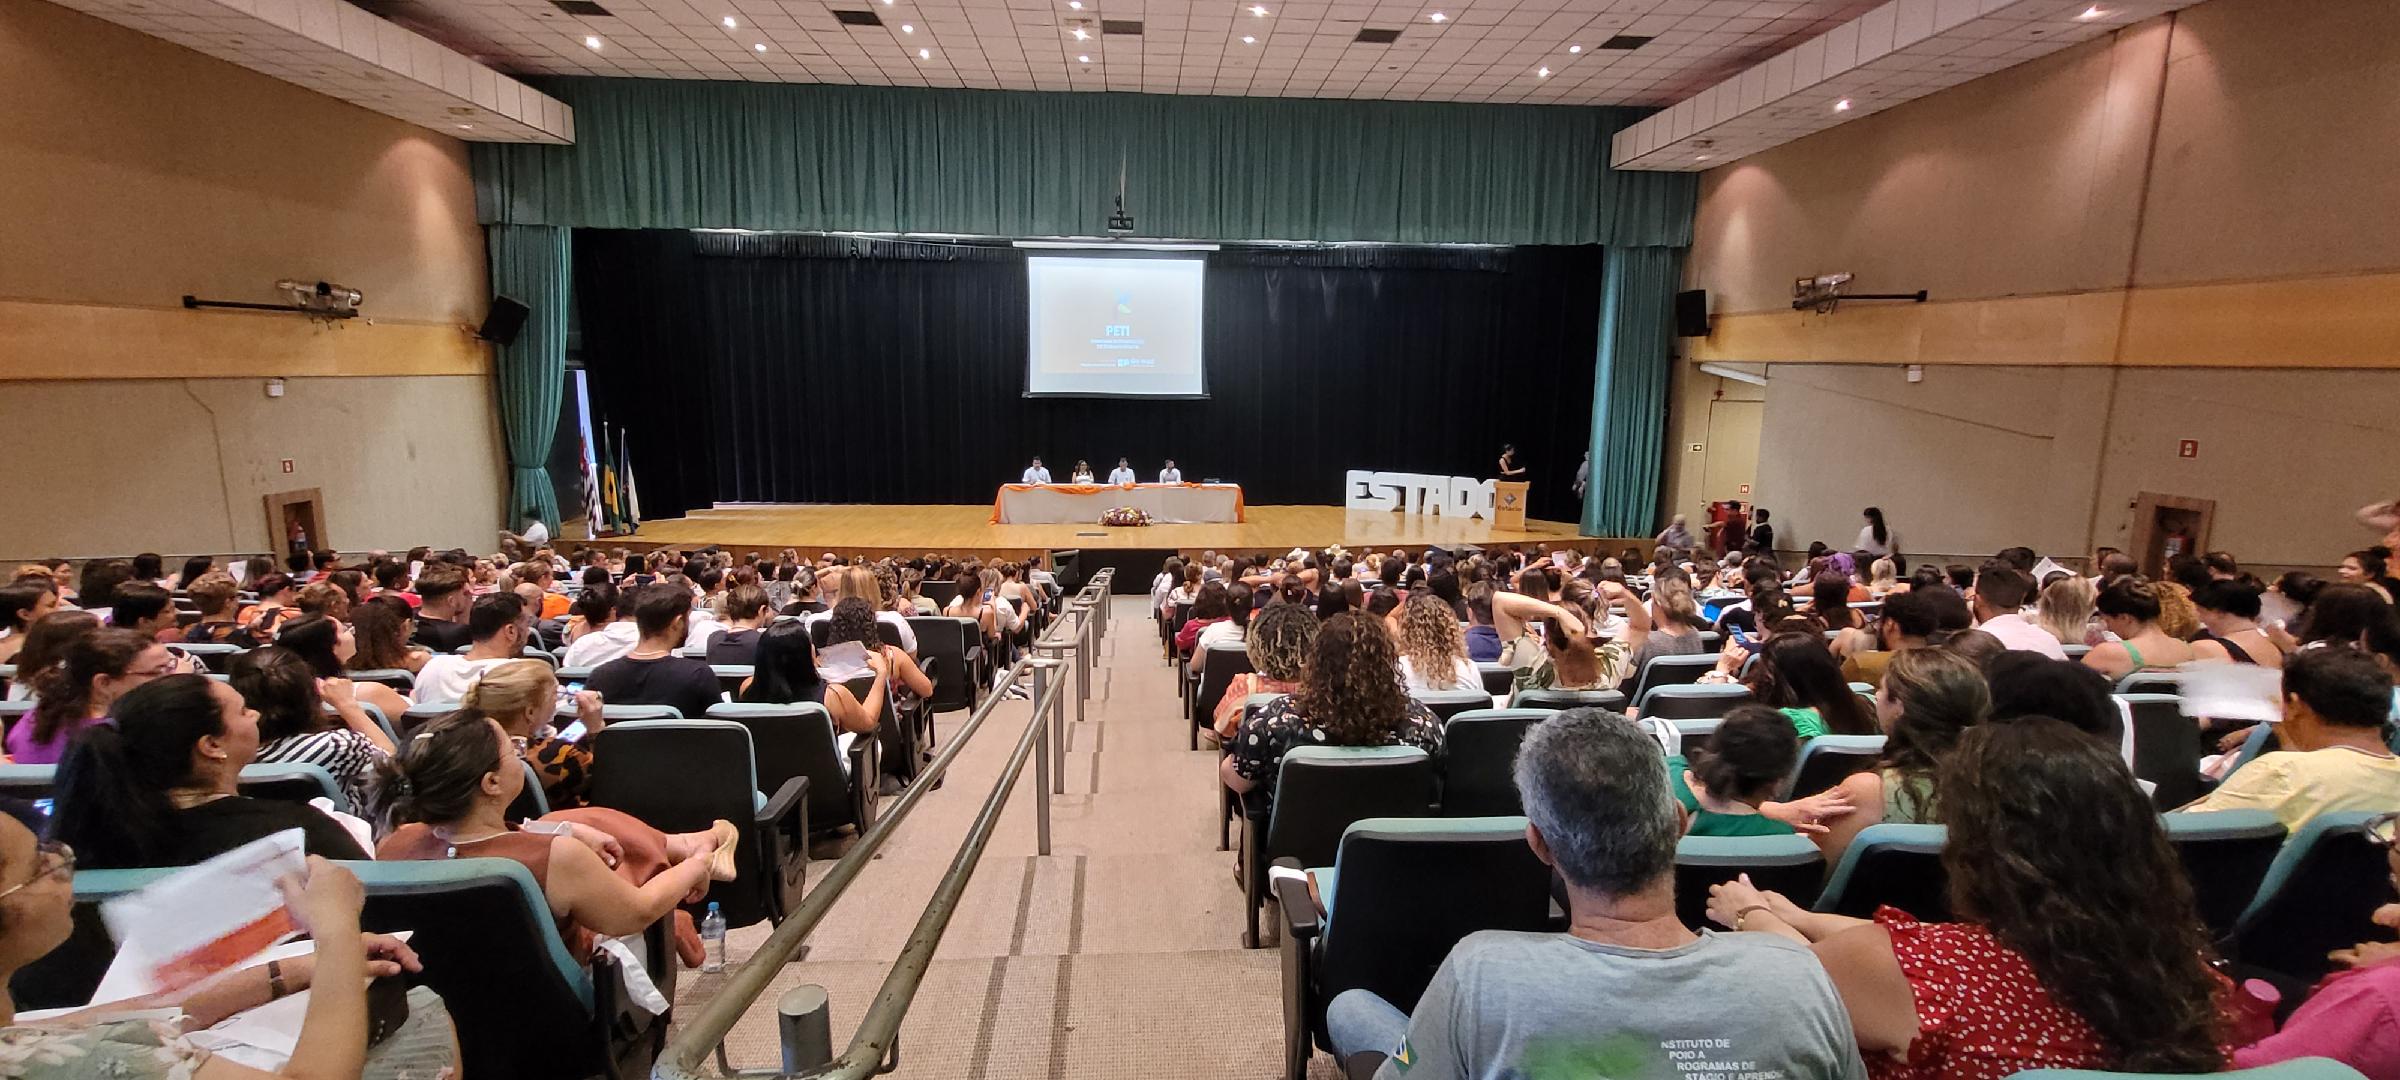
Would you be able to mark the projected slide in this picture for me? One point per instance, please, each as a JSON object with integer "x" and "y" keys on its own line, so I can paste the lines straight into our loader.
{"x": 1113, "y": 327}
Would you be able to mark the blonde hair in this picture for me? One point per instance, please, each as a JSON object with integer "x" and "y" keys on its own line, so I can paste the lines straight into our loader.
{"x": 1673, "y": 595}
{"x": 858, "y": 581}
{"x": 1431, "y": 640}
{"x": 511, "y": 689}
{"x": 1883, "y": 574}
{"x": 2178, "y": 617}
{"x": 2065, "y": 608}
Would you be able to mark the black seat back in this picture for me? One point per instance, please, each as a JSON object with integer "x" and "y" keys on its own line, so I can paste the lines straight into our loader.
{"x": 944, "y": 640}
{"x": 1612, "y": 700}
{"x": 940, "y": 591}
{"x": 1788, "y": 864}
{"x": 1218, "y": 666}
{"x": 2320, "y": 894}
{"x": 1671, "y": 671}
{"x": 1895, "y": 864}
{"x": 2166, "y": 747}
{"x": 2226, "y": 854}
{"x": 1406, "y": 890}
{"x": 1448, "y": 703}
{"x": 1320, "y": 790}
{"x": 796, "y": 740}
{"x": 1829, "y": 759}
{"x": 1479, "y": 758}
{"x": 681, "y": 776}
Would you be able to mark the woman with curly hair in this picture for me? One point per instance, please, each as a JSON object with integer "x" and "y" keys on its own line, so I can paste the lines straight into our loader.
{"x": 1433, "y": 650}
{"x": 1281, "y": 637}
{"x": 2083, "y": 955}
{"x": 1350, "y": 695}
{"x": 2132, "y": 609}
{"x": 384, "y": 626}
{"x": 1929, "y": 699}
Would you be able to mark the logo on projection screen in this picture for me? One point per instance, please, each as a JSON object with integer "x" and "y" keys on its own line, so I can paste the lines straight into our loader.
{"x": 1124, "y": 303}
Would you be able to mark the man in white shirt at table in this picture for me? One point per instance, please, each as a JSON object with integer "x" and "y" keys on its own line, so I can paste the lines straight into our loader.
{"x": 1036, "y": 474}
{"x": 1170, "y": 474}
{"x": 1122, "y": 474}
{"x": 2001, "y": 593}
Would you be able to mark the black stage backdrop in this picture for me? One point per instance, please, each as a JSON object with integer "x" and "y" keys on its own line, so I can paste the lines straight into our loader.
{"x": 777, "y": 368}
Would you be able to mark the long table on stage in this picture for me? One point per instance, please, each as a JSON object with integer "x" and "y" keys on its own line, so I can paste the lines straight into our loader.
{"x": 1043, "y": 504}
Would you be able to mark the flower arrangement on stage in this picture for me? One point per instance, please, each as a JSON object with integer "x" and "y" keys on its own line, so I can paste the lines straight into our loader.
{"x": 1125, "y": 515}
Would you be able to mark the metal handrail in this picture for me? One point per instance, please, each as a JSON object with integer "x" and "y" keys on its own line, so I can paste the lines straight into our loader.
{"x": 878, "y": 1032}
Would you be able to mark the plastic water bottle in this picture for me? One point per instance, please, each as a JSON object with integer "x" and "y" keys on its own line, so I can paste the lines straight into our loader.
{"x": 712, "y": 939}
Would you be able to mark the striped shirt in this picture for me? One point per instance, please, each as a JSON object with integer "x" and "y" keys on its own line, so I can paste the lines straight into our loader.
{"x": 348, "y": 755}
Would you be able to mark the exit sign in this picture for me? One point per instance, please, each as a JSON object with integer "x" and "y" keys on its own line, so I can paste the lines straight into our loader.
{"x": 287, "y": 464}
{"x": 1745, "y": 490}
{"x": 2188, "y": 448}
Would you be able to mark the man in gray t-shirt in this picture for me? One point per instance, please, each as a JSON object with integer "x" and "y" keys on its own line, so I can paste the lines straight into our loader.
{"x": 1627, "y": 993}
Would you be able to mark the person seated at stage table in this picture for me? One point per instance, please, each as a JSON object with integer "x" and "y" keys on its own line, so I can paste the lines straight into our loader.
{"x": 1123, "y": 473}
{"x": 1036, "y": 474}
{"x": 1170, "y": 474}
{"x": 1082, "y": 473}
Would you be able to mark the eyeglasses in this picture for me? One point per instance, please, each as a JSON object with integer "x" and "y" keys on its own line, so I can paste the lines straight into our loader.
{"x": 57, "y": 861}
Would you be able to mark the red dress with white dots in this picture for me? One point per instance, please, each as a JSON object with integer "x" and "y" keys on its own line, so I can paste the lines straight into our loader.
{"x": 1982, "y": 1014}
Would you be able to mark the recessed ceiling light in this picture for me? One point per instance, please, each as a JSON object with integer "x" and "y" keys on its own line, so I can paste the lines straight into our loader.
{"x": 761, "y": 46}
{"x": 1542, "y": 73}
{"x": 924, "y": 54}
{"x": 1248, "y": 40}
{"x": 1083, "y": 59}
{"x": 1574, "y": 49}
{"x": 729, "y": 23}
{"x": 1082, "y": 34}
{"x": 907, "y": 28}
{"x": 466, "y": 127}
{"x": 1438, "y": 17}
{"x": 591, "y": 42}
{"x": 2092, "y": 12}
{"x": 1258, "y": 10}
{"x": 1075, "y": 4}
{"x": 1842, "y": 105}
{"x": 1700, "y": 157}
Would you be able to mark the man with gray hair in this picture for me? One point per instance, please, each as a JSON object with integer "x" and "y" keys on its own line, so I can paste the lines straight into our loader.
{"x": 1627, "y": 993}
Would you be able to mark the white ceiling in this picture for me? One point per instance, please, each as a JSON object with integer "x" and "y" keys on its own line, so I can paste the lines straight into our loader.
{"x": 1483, "y": 50}
{"x": 1898, "y": 52}
{"x": 342, "y": 52}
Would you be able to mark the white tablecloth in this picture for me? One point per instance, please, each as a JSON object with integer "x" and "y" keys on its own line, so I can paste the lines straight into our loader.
{"x": 1041, "y": 504}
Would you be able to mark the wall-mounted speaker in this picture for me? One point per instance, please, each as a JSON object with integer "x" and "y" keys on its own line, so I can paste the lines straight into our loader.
{"x": 1691, "y": 313}
{"x": 504, "y": 321}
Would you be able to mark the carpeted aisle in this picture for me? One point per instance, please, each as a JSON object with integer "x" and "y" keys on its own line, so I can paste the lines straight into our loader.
{"x": 1119, "y": 955}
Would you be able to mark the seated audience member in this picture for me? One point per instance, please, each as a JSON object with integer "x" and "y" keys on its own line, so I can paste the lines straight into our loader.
{"x": 913, "y": 600}
{"x": 785, "y": 673}
{"x": 605, "y": 873}
{"x": 1627, "y": 988}
{"x": 543, "y": 575}
{"x": 213, "y": 594}
{"x": 1829, "y": 601}
{"x": 278, "y": 599}
{"x": 1170, "y": 578}
{"x": 383, "y": 627}
{"x": 745, "y": 616}
{"x": 159, "y": 785}
{"x": 327, "y": 644}
{"x": 20, "y": 604}
{"x": 1675, "y": 622}
{"x": 2369, "y": 568}
{"x": 995, "y": 620}
{"x": 2229, "y": 612}
{"x": 2335, "y": 702}
{"x": 391, "y": 579}
{"x": 442, "y": 610}
{"x": 1960, "y": 576}
{"x": 97, "y": 590}
{"x": 1433, "y": 654}
{"x": 1349, "y": 695}
{"x": 601, "y": 628}
{"x": 93, "y": 671}
{"x": 500, "y": 625}
{"x": 1230, "y": 633}
{"x": 2353, "y": 1014}
{"x": 859, "y": 581}
{"x": 1483, "y": 638}
{"x": 853, "y": 650}
{"x": 2129, "y": 608}
{"x": 1883, "y": 579}
{"x": 1281, "y": 638}
{"x": 1569, "y": 654}
{"x": 2065, "y": 610}
{"x": 293, "y": 725}
{"x": 194, "y": 568}
{"x": 2025, "y": 684}
{"x": 1973, "y": 646}
{"x": 132, "y": 1039}
{"x": 1909, "y": 619}
{"x": 1929, "y": 698}
{"x": 147, "y": 610}
{"x": 2178, "y": 618}
{"x": 522, "y": 695}
{"x": 1186, "y": 591}
{"x": 650, "y": 673}
{"x": 323, "y": 598}
{"x": 1797, "y": 675}
{"x": 1747, "y": 760}
{"x": 1210, "y": 607}
{"x": 46, "y": 646}
{"x": 2083, "y": 955}
{"x": 2001, "y": 593}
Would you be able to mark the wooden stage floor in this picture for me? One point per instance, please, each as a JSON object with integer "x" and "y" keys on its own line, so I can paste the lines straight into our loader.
{"x": 880, "y": 530}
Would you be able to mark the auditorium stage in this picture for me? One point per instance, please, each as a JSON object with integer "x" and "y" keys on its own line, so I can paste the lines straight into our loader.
{"x": 879, "y": 530}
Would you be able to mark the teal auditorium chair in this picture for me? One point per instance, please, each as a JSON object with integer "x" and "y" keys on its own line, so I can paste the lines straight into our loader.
{"x": 2318, "y": 896}
{"x": 1671, "y": 671}
{"x": 1448, "y": 703}
{"x": 682, "y": 775}
{"x": 1895, "y": 864}
{"x": 1479, "y": 760}
{"x": 2166, "y": 747}
{"x": 1612, "y": 700}
{"x": 397, "y": 678}
{"x": 1827, "y": 760}
{"x": 1788, "y": 864}
{"x": 1695, "y": 700}
{"x": 216, "y": 656}
{"x": 1319, "y": 791}
{"x": 1497, "y": 679}
{"x": 1400, "y": 893}
{"x": 2151, "y": 682}
{"x": 2226, "y": 854}
{"x": 2314, "y": 1068}
{"x": 286, "y": 781}
{"x": 799, "y": 740}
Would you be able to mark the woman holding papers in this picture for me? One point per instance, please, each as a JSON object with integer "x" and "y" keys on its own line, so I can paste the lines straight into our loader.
{"x": 128, "y": 1038}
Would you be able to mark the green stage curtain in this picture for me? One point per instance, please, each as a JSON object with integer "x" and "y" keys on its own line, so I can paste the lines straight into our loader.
{"x": 1629, "y": 390}
{"x": 683, "y": 155}
{"x": 530, "y": 265}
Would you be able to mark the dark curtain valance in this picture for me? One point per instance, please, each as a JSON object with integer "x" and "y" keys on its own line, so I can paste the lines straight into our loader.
{"x": 665, "y": 154}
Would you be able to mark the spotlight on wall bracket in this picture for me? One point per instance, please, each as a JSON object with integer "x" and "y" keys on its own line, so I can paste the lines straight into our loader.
{"x": 315, "y": 299}
{"x": 1823, "y": 293}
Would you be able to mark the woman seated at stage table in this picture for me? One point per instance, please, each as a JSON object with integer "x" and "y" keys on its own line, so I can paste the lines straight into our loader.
{"x": 1082, "y": 474}
{"x": 604, "y": 872}
{"x": 1569, "y": 654}
{"x": 1349, "y": 695}
{"x": 786, "y": 673}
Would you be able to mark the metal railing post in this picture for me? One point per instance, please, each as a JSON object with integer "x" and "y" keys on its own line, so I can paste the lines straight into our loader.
{"x": 804, "y": 1019}
{"x": 1083, "y": 658}
{"x": 1045, "y": 774}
